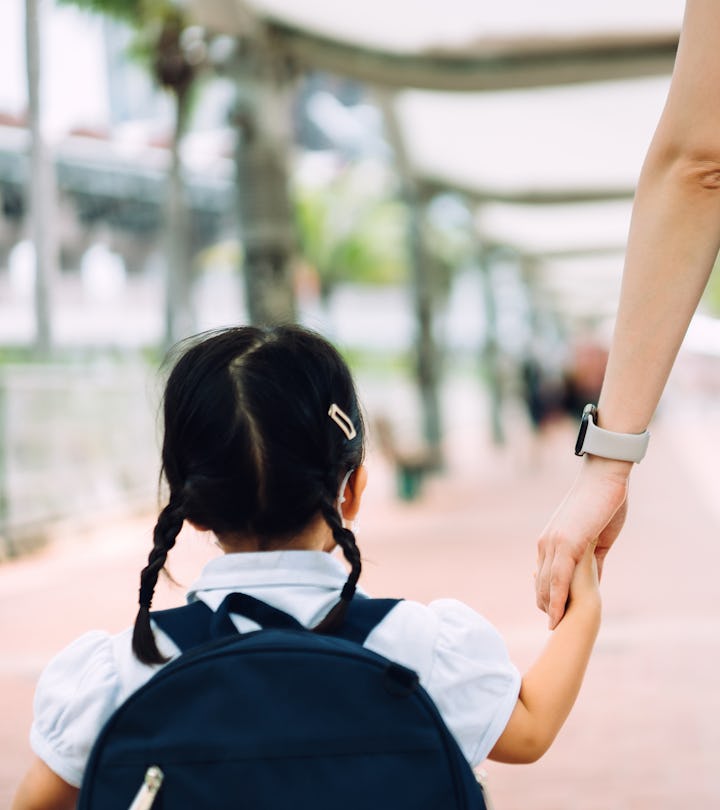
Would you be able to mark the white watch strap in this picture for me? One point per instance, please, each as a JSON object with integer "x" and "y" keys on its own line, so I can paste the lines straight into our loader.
{"x": 622, "y": 446}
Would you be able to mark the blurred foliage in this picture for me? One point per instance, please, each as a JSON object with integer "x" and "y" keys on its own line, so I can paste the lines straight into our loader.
{"x": 128, "y": 10}
{"x": 11, "y": 355}
{"x": 17, "y": 354}
{"x": 453, "y": 246}
{"x": 378, "y": 362}
{"x": 449, "y": 238}
{"x": 161, "y": 37}
{"x": 351, "y": 233}
{"x": 135, "y": 12}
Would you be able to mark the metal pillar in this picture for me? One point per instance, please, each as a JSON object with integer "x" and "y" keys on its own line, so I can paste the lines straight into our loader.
{"x": 263, "y": 119}
{"x": 427, "y": 360}
{"x": 491, "y": 350}
{"x": 42, "y": 189}
{"x": 179, "y": 316}
{"x": 423, "y": 289}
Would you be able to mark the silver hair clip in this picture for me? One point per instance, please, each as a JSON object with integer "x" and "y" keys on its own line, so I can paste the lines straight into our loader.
{"x": 342, "y": 420}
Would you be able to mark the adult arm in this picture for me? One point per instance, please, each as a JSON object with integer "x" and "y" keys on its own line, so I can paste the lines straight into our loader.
{"x": 550, "y": 687}
{"x": 43, "y": 789}
{"x": 672, "y": 246}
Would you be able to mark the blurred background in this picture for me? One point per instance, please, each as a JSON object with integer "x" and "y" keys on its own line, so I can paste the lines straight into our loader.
{"x": 443, "y": 190}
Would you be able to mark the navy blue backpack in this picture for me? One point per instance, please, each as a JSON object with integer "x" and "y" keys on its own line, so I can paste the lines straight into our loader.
{"x": 277, "y": 718}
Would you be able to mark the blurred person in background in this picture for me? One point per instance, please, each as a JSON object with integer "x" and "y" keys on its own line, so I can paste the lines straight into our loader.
{"x": 672, "y": 245}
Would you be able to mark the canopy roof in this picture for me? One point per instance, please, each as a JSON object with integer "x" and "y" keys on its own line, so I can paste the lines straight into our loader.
{"x": 515, "y": 104}
{"x": 550, "y": 144}
{"x": 462, "y": 44}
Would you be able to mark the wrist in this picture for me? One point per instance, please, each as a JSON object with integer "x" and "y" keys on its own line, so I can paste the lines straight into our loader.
{"x": 585, "y": 608}
{"x": 607, "y": 467}
{"x": 594, "y": 440}
{"x": 619, "y": 417}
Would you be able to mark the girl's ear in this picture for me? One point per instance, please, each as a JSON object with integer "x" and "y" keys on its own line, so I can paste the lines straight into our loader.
{"x": 353, "y": 493}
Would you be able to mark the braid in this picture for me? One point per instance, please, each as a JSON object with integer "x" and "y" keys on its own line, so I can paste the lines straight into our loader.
{"x": 346, "y": 540}
{"x": 167, "y": 528}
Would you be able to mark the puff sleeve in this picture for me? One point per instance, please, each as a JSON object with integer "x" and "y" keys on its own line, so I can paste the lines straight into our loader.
{"x": 472, "y": 680}
{"x": 76, "y": 693}
{"x": 462, "y": 662}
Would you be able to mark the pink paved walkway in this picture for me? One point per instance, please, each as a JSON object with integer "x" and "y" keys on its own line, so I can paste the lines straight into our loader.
{"x": 645, "y": 733}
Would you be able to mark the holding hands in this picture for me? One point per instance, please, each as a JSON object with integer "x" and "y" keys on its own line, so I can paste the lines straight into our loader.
{"x": 672, "y": 245}
{"x": 591, "y": 515}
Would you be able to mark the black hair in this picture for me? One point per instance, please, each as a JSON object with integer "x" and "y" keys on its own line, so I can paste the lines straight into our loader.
{"x": 249, "y": 448}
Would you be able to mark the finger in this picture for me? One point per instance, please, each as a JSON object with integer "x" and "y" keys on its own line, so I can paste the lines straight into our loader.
{"x": 542, "y": 580}
{"x": 560, "y": 575}
{"x": 600, "y": 554}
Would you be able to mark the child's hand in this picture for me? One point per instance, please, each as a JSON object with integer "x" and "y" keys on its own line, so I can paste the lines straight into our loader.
{"x": 584, "y": 586}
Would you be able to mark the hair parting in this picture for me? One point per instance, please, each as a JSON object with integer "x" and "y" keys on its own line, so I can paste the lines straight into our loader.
{"x": 260, "y": 426}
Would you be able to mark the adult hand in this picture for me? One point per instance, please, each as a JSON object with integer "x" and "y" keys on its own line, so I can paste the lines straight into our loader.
{"x": 584, "y": 585}
{"x": 594, "y": 509}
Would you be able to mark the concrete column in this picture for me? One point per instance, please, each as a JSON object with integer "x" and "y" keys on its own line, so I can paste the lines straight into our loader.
{"x": 266, "y": 221}
{"x": 42, "y": 183}
{"x": 423, "y": 288}
{"x": 491, "y": 350}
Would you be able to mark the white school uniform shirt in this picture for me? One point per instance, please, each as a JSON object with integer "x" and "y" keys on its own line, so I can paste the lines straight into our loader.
{"x": 460, "y": 658}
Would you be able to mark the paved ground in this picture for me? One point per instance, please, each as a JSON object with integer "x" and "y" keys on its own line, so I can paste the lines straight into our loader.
{"x": 646, "y": 730}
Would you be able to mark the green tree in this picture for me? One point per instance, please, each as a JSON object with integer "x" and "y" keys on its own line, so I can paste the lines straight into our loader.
{"x": 348, "y": 235}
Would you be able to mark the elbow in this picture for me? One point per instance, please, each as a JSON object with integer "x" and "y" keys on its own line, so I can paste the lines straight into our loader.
{"x": 532, "y": 749}
{"x": 699, "y": 173}
{"x": 694, "y": 167}
{"x": 527, "y": 736}
{"x": 524, "y": 750}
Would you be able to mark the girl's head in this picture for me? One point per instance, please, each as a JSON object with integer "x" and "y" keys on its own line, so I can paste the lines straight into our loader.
{"x": 262, "y": 425}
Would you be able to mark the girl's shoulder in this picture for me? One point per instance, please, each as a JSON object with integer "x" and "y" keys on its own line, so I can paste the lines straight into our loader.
{"x": 75, "y": 695}
{"x": 77, "y": 691}
{"x": 442, "y": 630}
{"x": 462, "y": 662}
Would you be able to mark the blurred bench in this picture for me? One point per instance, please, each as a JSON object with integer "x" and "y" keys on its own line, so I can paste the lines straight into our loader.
{"x": 411, "y": 462}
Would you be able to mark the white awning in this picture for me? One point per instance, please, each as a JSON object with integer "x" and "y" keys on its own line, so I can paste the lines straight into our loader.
{"x": 580, "y": 139}
{"x": 588, "y": 85}
{"x": 415, "y": 26}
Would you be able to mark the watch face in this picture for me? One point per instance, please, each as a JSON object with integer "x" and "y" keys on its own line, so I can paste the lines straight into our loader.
{"x": 581, "y": 434}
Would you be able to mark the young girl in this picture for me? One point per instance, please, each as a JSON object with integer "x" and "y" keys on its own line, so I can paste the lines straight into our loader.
{"x": 264, "y": 447}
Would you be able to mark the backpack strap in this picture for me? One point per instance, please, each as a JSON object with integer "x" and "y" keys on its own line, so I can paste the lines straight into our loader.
{"x": 260, "y": 612}
{"x": 188, "y": 626}
{"x": 194, "y": 624}
{"x": 362, "y": 616}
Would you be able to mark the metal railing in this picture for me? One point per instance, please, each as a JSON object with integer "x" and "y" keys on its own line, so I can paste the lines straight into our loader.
{"x": 73, "y": 441}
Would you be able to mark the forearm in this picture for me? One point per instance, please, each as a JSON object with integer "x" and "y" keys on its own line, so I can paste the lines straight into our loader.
{"x": 675, "y": 230}
{"x": 42, "y": 789}
{"x": 550, "y": 687}
{"x": 671, "y": 250}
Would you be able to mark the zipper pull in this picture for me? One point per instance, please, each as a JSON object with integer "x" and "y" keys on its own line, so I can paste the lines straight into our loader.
{"x": 148, "y": 790}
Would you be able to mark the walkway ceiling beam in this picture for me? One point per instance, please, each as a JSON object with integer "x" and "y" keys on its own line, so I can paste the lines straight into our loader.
{"x": 545, "y": 196}
{"x": 488, "y": 66}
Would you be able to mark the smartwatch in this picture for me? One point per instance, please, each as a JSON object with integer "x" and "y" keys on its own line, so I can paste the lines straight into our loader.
{"x": 605, "y": 443}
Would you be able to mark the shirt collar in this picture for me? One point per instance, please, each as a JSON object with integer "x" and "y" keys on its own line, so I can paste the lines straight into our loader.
{"x": 255, "y": 570}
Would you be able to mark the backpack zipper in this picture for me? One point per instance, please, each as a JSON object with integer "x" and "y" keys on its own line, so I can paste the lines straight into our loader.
{"x": 148, "y": 790}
